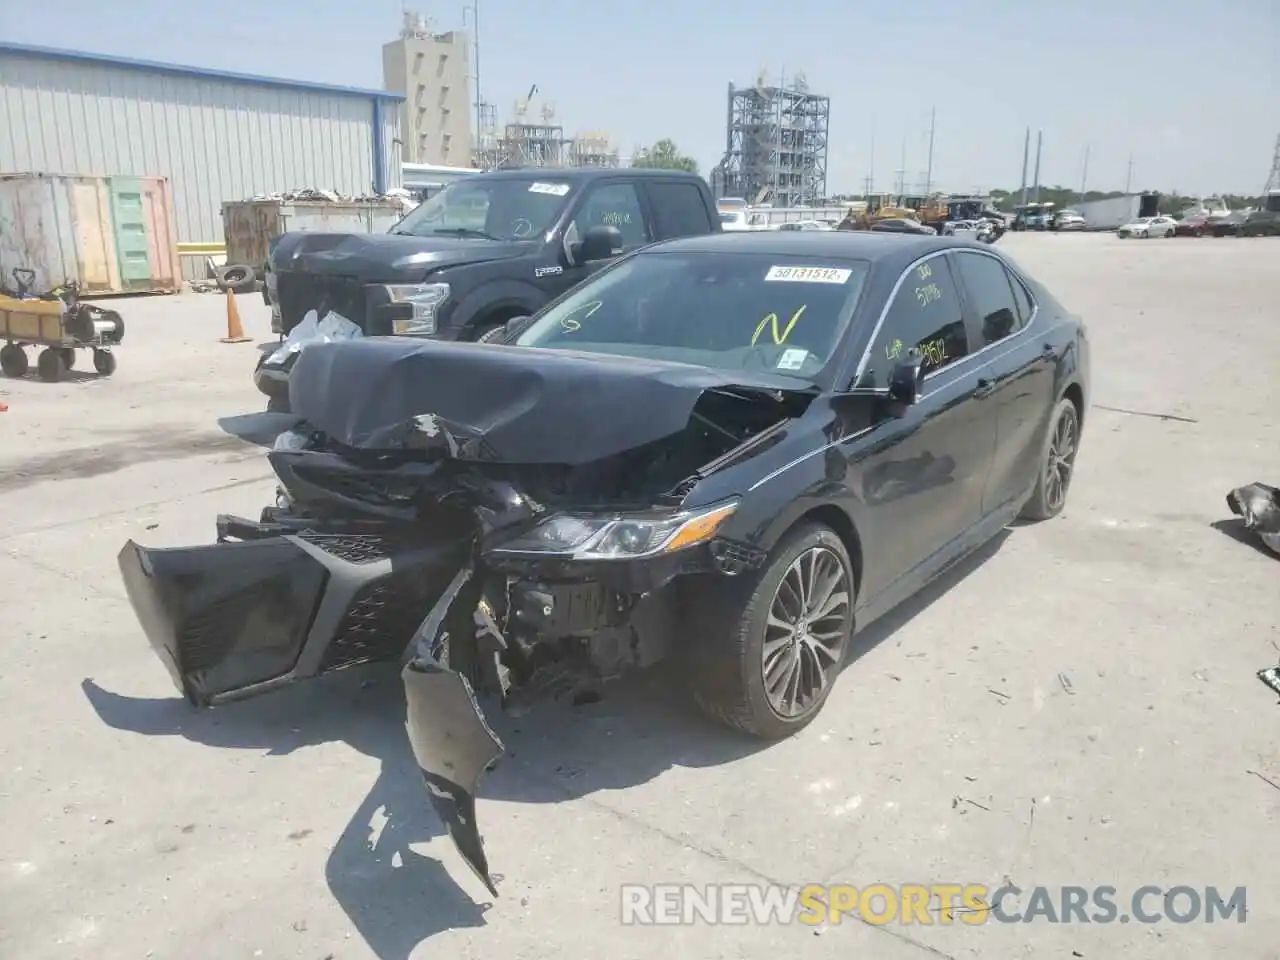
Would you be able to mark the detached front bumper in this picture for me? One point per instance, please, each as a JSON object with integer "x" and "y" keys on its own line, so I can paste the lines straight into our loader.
{"x": 233, "y": 619}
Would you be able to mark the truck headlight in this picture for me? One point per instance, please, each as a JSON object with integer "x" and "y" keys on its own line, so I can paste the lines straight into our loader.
{"x": 414, "y": 307}
{"x": 619, "y": 536}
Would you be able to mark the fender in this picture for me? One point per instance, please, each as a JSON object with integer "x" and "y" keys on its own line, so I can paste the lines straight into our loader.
{"x": 499, "y": 294}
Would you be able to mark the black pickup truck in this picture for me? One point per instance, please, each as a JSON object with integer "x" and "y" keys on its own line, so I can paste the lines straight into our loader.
{"x": 483, "y": 250}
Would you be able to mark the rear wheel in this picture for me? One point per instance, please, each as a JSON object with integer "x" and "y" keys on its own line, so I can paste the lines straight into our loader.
{"x": 1057, "y": 464}
{"x": 767, "y": 647}
{"x": 104, "y": 361}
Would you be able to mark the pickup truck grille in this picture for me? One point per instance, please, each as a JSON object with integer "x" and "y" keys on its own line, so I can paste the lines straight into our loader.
{"x": 299, "y": 292}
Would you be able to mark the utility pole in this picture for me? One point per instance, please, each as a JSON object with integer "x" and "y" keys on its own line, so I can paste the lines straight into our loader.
{"x": 871, "y": 170}
{"x": 1084, "y": 173}
{"x": 1036, "y": 186}
{"x": 474, "y": 8}
{"x": 928, "y": 174}
{"x": 1026, "y": 155}
{"x": 902, "y": 173}
{"x": 1128, "y": 177}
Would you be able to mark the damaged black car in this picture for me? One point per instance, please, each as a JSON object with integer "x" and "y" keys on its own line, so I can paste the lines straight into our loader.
{"x": 731, "y": 450}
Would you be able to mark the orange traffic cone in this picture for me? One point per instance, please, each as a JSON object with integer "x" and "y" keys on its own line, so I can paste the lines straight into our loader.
{"x": 235, "y": 329}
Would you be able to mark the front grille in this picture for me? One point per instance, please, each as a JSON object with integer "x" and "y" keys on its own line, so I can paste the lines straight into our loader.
{"x": 380, "y": 621}
{"x": 299, "y": 292}
{"x": 353, "y": 548}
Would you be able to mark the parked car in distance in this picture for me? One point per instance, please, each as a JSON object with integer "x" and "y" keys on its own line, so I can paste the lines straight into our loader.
{"x": 1146, "y": 227}
{"x": 728, "y": 451}
{"x": 1194, "y": 226}
{"x": 1067, "y": 221}
{"x": 1228, "y": 226}
{"x": 805, "y": 226}
{"x": 1260, "y": 223}
{"x": 902, "y": 225}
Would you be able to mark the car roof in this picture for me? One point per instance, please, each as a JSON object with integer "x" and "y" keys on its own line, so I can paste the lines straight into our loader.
{"x": 582, "y": 174}
{"x": 891, "y": 248}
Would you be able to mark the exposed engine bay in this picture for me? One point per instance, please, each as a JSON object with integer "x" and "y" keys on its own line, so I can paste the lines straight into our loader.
{"x": 503, "y": 520}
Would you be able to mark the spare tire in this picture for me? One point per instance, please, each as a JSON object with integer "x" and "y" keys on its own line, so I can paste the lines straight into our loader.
{"x": 238, "y": 278}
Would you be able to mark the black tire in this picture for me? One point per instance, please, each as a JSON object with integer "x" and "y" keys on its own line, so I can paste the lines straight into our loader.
{"x": 13, "y": 361}
{"x": 727, "y": 627}
{"x": 238, "y": 278}
{"x": 69, "y": 357}
{"x": 484, "y": 332}
{"x": 51, "y": 364}
{"x": 104, "y": 361}
{"x": 492, "y": 334}
{"x": 1050, "y": 495}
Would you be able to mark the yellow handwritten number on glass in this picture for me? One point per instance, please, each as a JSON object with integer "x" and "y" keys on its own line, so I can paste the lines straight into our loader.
{"x": 772, "y": 319}
{"x": 571, "y": 323}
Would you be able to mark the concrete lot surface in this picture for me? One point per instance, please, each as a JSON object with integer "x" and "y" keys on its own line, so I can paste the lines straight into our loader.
{"x": 1076, "y": 706}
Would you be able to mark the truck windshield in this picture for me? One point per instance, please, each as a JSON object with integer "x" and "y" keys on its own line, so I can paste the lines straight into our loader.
{"x": 489, "y": 209}
{"x": 760, "y": 312}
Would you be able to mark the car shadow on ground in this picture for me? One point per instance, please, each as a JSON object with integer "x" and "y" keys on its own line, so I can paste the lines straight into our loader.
{"x": 1234, "y": 528}
{"x": 397, "y": 897}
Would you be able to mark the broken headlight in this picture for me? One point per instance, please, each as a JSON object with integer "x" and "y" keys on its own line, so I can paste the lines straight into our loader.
{"x": 620, "y": 536}
{"x": 413, "y": 307}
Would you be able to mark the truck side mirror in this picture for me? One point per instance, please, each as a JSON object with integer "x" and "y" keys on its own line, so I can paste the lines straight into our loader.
{"x": 600, "y": 243}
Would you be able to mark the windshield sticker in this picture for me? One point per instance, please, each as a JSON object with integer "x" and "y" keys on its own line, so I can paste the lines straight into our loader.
{"x": 571, "y": 322}
{"x": 771, "y": 320}
{"x": 548, "y": 271}
{"x": 551, "y": 189}
{"x": 792, "y": 359}
{"x": 807, "y": 275}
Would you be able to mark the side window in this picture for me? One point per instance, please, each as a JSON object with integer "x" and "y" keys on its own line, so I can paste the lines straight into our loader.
{"x": 614, "y": 205}
{"x": 678, "y": 209}
{"x": 989, "y": 287}
{"x": 1022, "y": 299}
{"x": 925, "y": 318}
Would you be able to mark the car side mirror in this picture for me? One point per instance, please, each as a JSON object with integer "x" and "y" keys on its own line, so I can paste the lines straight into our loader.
{"x": 906, "y": 380}
{"x": 600, "y": 243}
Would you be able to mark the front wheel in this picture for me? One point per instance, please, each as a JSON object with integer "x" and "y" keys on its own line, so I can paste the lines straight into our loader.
{"x": 767, "y": 647}
{"x": 1057, "y": 464}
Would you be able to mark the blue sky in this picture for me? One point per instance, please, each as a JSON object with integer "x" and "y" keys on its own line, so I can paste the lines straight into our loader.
{"x": 1189, "y": 88}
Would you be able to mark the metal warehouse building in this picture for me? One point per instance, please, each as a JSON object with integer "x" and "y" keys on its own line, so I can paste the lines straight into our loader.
{"x": 217, "y": 136}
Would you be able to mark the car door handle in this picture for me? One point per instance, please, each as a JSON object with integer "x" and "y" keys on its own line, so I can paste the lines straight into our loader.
{"x": 985, "y": 388}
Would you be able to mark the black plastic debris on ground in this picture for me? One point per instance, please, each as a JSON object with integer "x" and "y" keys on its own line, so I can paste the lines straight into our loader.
{"x": 1271, "y": 677}
{"x": 1259, "y": 506}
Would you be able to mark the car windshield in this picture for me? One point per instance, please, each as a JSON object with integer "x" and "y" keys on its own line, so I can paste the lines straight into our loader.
{"x": 489, "y": 209}
{"x": 757, "y": 312}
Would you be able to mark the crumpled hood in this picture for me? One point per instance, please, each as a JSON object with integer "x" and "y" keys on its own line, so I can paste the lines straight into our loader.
{"x": 382, "y": 257}
{"x": 508, "y": 404}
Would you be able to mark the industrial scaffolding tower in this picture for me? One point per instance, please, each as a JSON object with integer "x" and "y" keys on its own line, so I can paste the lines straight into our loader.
{"x": 775, "y": 144}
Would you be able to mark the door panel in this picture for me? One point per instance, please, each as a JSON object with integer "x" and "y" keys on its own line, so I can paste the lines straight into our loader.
{"x": 1017, "y": 369}
{"x": 129, "y": 220}
{"x": 613, "y": 203}
{"x": 922, "y": 467}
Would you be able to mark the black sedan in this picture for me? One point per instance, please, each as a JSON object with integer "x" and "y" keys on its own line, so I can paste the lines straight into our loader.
{"x": 731, "y": 450}
{"x": 902, "y": 225}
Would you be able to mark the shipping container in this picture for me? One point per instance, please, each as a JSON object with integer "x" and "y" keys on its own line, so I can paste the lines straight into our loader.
{"x": 249, "y": 225}
{"x": 110, "y": 235}
{"x": 1115, "y": 212}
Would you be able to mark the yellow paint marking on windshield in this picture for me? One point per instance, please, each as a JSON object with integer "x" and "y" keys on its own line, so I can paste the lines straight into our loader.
{"x": 934, "y": 351}
{"x": 925, "y": 271}
{"x": 893, "y": 350}
{"x": 772, "y": 319}
{"x": 929, "y": 293}
{"x": 572, "y": 321}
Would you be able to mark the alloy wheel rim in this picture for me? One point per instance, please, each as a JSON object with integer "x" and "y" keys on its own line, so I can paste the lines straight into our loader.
{"x": 806, "y": 631}
{"x": 1062, "y": 452}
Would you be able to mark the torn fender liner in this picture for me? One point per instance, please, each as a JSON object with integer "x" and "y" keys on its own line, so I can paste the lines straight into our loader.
{"x": 1259, "y": 506}
{"x": 454, "y": 746}
{"x": 481, "y": 401}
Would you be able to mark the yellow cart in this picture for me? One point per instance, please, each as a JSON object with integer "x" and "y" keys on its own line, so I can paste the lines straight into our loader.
{"x": 61, "y": 324}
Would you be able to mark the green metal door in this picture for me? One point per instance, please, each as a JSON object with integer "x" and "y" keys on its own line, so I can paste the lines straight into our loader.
{"x": 129, "y": 222}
